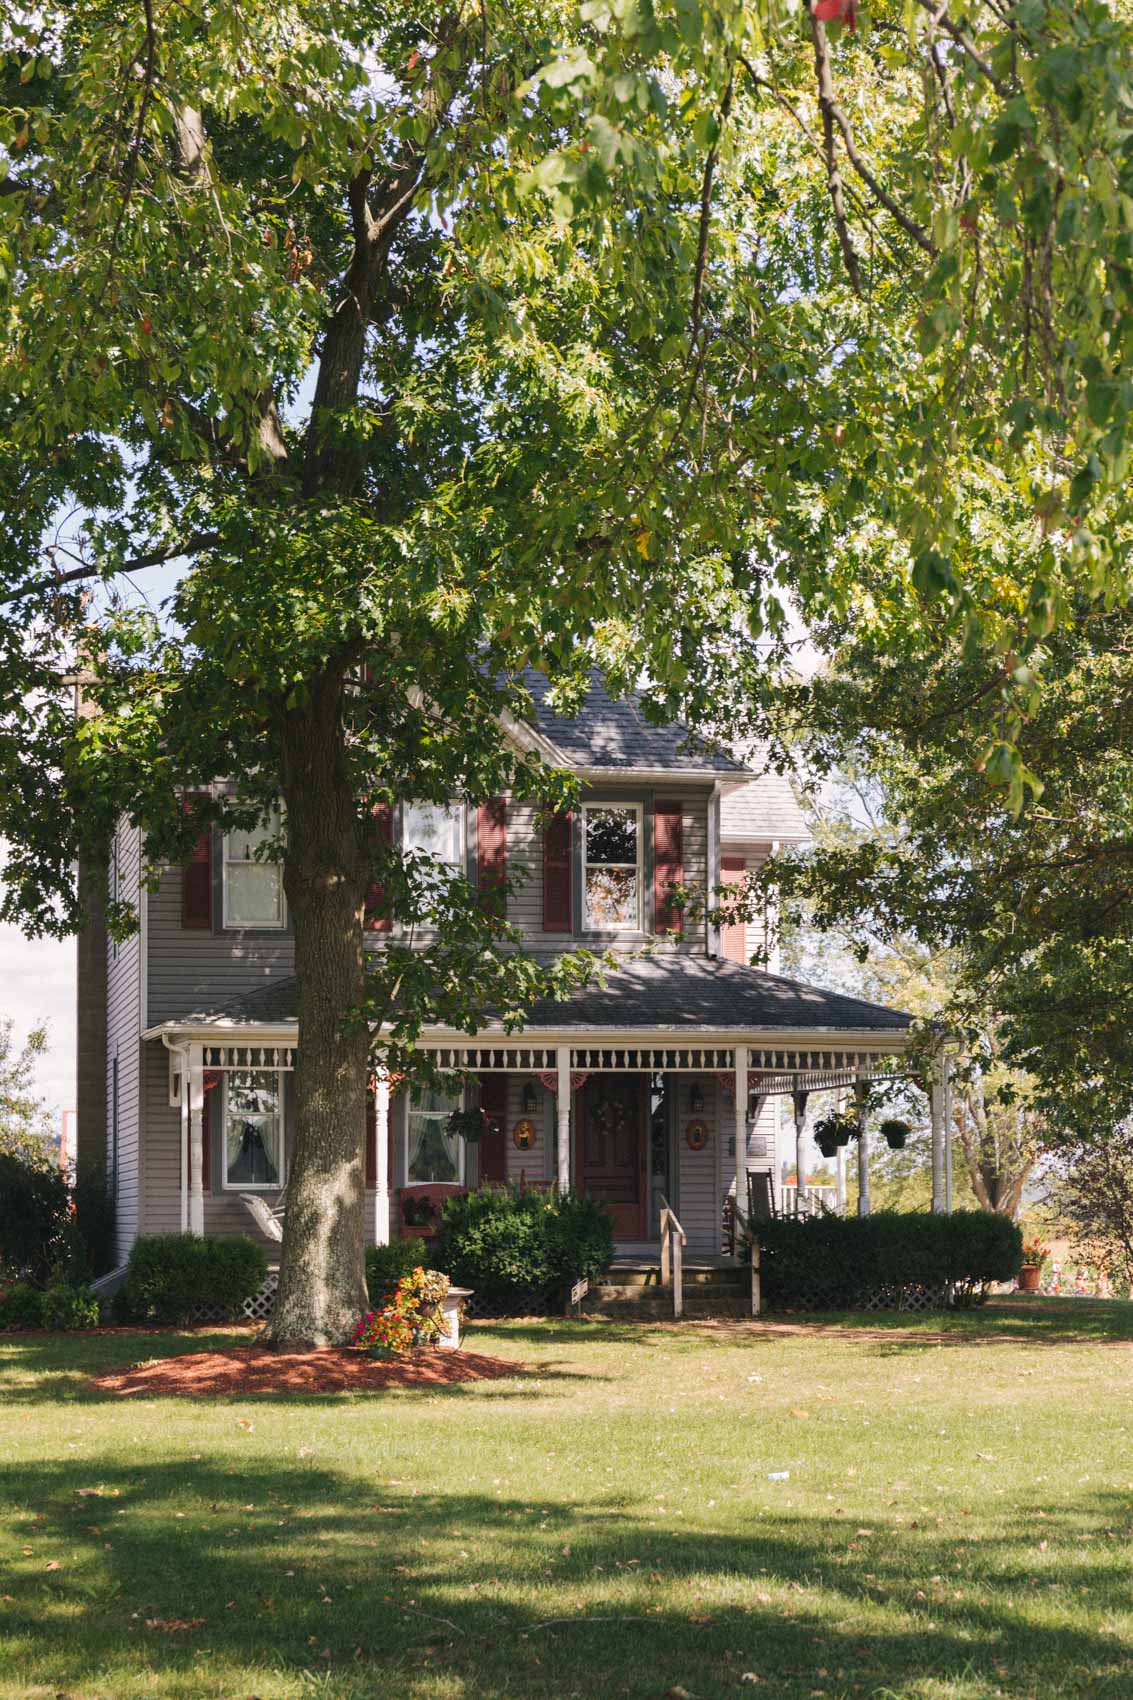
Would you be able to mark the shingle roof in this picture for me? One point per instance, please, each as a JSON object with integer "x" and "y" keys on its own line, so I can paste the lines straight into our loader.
{"x": 681, "y": 993}
{"x": 612, "y": 732}
{"x": 764, "y": 811}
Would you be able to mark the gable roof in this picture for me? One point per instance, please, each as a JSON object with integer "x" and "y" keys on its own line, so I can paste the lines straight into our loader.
{"x": 680, "y": 994}
{"x": 611, "y": 733}
{"x": 763, "y": 811}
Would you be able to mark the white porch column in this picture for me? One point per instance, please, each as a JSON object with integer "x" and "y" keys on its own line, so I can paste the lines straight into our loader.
{"x": 196, "y": 1084}
{"x": 799, "y": 1101}
{"x": 861, "y": 1091}
{"x": 840, "y": 1161}
{"x": 381, "y": 1157}
{"x": 562, "y": 1111}
{"x": 741, "y": 1129}
{"x": 936, "y": 1109}
{"x": 948, "y": 1136}
{"x": 183, "y": 1060}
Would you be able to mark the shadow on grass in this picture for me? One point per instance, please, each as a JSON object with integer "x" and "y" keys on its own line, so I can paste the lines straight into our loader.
{"x": 379, "y": 1590}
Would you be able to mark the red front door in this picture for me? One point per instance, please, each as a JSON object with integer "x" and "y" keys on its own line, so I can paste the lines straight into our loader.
{"x": 612, "y": 1149}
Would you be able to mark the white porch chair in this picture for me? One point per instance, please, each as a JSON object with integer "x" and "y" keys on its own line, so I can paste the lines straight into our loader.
{"x": 268, "y": 1221}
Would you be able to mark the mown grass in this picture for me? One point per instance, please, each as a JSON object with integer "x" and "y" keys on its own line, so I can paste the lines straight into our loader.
{"x": 956, "y": 1523}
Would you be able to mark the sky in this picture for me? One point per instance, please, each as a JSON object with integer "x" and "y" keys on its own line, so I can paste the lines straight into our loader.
{"x": 37, "y": 977}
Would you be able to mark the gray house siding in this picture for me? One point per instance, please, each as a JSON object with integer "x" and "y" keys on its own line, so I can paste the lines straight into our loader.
{"x": 190, "y": 968}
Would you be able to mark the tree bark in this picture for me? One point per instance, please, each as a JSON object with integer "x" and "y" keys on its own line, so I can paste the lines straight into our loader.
{"x": 322, "y": 1290}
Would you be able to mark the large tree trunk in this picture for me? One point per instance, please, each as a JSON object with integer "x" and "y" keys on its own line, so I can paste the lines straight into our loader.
{"x": 322, "y": 1290}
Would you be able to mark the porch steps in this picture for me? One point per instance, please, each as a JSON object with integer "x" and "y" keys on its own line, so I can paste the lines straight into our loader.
{"x": 711, "y": 1288}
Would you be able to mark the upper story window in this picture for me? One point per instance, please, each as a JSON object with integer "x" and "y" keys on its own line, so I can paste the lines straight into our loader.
{"x": 253, "y": 1129}
{"x": 253, "y": 890}
{"x": 611, "y": 867}
{"x": 437, "y": 828}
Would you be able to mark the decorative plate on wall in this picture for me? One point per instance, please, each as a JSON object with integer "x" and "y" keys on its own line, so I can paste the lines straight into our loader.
{"x": 524, "y": 1134}
{"x": 696, "y": 1134}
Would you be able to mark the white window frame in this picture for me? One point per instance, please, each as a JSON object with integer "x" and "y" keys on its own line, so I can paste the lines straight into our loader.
{"x": 281, "y": 1121}
{"x": 226, "y": 861}
{"x": 461, "y": 1152}
{"x": 456, "y": 807}
{"x": 638, "y": 810}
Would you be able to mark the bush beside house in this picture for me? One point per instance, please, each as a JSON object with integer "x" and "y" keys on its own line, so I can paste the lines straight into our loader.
{"x": 523, "y": 1250}
{"x": 173, "y": 1278}
{"x": 845, "y": 1262}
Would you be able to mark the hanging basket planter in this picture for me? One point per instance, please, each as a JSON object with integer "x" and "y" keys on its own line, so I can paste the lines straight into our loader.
{"x": 469, "y": 1125}
{"x": 895, "y": 1133}
{"x": 835, "y": 1131}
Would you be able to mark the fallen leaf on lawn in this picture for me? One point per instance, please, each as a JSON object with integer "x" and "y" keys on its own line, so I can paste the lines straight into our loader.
{"x": 173, "y": 1625}
{"x": 245, "y": 1423}
{"x": 750, "y": 1676}
{"x": 800, "y": 1413}
{"x": 677, "y": 1694}
{"x": 864, "y": 1531}
{"x": 52, "y": 1564}
{"x": 700, "y": 1617}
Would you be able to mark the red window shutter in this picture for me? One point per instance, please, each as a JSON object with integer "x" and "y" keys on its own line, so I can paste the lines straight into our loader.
{"x": 493, "y": 1141}
{"x": 491, "y": 853}
{"x": 212, "y": 1079}
{"x": 557, "y": 905}
{"x": 196, "y": 880}
{"x": 733, "y": 938}
{"x": 668, "y": 864}
{"x": 371, "y": 1138}
{"x": 377, "y": 917}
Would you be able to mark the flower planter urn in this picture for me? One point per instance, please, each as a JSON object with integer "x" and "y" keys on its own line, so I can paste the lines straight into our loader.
{"x": 450, "y": 1308}
{"x": 1029, "y": 1278}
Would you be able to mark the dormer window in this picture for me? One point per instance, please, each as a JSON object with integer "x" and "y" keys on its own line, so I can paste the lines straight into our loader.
{"x": 253, "y": 889}
{"x": 611, "y": 871}
{"x": 437, "y": 829}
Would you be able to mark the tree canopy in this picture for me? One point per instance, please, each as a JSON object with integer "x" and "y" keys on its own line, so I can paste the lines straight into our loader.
{"x": 427, "y": 348}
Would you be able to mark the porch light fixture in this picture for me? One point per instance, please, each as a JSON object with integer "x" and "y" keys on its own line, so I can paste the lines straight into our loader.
{"x": 530, "y": 1101}
{"x": 696, "y": 1100}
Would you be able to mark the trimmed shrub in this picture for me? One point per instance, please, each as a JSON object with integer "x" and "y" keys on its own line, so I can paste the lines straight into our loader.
{"x": 387, "y": 1264}
{"x": 522, "y": 1251}
{"x": 35, "y": 1212}
{"x": 171, "y": 1277}
{"x": 841, "y": 1262}
{"x": 21, "y": 1306}
{"x": 65, "y": 1307}
{"x": 580, "y": 1243}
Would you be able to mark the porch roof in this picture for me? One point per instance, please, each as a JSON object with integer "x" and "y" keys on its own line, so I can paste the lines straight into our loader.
{"x": 685, "y": 996}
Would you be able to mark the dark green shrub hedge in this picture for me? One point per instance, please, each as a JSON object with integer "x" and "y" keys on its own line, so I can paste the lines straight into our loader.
{"x": 171, "y": 1276}
{"x": 95, "y": 1245}
{"x": 387, "y": 1264}
{"x": 21, "y": 1306}
{"x": 35, "y": 1213}
{"x": 65, "y": 1306}
{"x": 522, "y": 1251}
{"x": 838, "y": 1262}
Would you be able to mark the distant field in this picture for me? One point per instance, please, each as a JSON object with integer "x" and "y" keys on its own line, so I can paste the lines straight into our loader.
{"x": 956, "y": 1523}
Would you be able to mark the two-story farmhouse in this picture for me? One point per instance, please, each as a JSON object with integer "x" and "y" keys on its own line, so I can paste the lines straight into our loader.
{"x": 632, "y": 1090}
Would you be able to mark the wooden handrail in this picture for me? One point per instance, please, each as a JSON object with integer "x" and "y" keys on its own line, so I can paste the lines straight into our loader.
{"x": 673, "y": 1238}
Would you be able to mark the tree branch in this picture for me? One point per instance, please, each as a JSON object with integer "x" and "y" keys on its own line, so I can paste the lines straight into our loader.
{"x": 48, "y": 583}
{"x": 827, "y": 104}
{"x": 706, "y": 210}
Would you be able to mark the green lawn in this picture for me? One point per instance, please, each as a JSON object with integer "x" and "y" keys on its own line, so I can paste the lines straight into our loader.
{"x": 956, "y": 1524}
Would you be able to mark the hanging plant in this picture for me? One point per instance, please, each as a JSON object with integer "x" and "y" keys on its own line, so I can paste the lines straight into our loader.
{"x": 895, "y": 1133}
{"x": 469, "y": 1125}
{"x": 835, "y": 1130}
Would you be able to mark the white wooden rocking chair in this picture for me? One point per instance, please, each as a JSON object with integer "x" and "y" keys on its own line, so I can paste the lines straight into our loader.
{"x": 268, "y": 1221}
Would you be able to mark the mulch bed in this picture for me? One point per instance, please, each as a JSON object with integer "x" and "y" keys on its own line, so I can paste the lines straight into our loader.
{"x": 253, "y": 1369}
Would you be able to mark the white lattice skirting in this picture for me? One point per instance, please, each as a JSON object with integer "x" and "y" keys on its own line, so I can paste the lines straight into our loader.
{"x": 255, "y": 1309}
